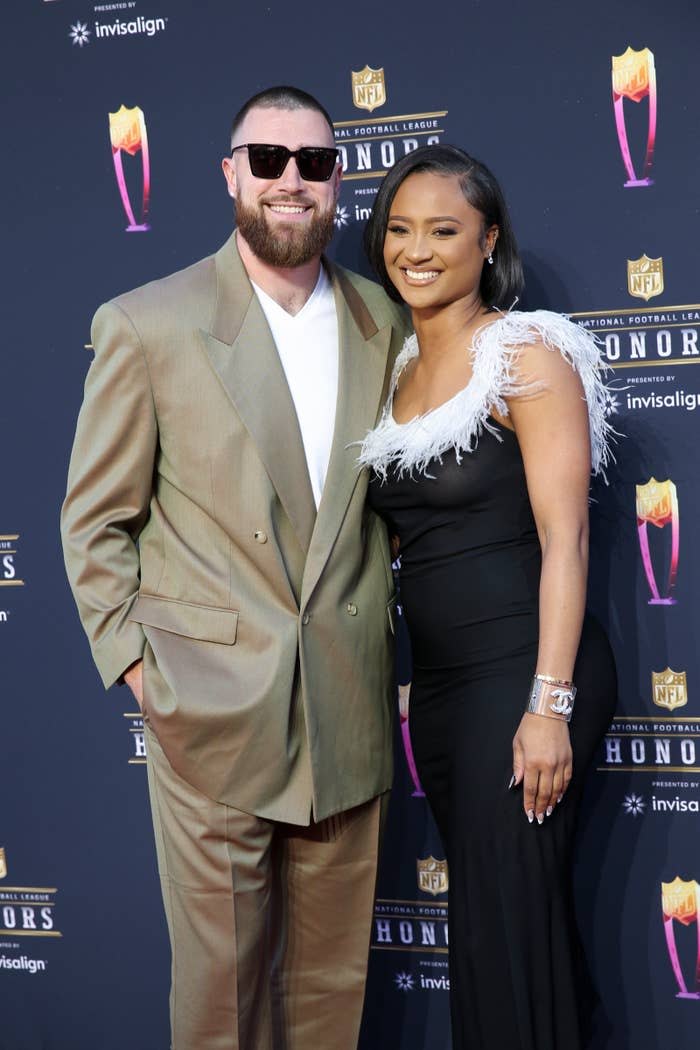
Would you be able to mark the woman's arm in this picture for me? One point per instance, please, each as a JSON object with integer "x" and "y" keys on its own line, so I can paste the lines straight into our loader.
{"x": 553, "y": 432}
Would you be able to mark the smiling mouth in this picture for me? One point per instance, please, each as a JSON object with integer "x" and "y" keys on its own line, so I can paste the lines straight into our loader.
{"x": 288, "y": 209}
{"x": 423, "y": 276}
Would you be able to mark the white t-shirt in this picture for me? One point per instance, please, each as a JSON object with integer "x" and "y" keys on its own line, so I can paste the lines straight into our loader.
{"x": 307, "y": 344}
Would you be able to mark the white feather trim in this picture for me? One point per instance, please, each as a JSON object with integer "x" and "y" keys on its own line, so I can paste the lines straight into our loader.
{"x": 458, "y": 422}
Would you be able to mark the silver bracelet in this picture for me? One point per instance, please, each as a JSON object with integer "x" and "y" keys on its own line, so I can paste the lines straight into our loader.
{"x": 552, "y": 697}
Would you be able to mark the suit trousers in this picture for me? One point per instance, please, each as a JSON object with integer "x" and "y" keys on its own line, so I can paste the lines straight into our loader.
{"x": 269, "y": 923}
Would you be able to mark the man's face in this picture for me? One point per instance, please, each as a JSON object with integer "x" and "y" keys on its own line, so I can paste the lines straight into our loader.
{"x": 286, "y": 222}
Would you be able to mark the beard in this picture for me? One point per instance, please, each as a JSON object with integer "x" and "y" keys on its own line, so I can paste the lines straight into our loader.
{"x": 288, "y": 245}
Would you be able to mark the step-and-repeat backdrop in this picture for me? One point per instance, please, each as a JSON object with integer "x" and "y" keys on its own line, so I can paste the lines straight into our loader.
{"x": 116, "y": 117}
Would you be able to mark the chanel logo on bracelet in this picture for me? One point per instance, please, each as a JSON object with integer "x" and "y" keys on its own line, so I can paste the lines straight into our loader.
{"x": 564, "y": 704}
{"x": 551, "y": 697}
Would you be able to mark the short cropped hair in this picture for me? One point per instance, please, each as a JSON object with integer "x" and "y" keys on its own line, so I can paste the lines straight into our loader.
{"x": 501, "y": 283}
{"x": 282, "y": 97}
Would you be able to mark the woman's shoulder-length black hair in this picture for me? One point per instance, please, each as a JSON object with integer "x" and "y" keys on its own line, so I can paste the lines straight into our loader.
{"x": 502, "y": 282}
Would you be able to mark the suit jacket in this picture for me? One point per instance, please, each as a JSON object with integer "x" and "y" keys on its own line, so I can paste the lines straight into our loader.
{"x": 192, "y": 540}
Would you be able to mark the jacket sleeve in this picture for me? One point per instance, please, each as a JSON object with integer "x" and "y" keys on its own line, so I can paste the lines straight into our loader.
{"x": 110, "y": 482}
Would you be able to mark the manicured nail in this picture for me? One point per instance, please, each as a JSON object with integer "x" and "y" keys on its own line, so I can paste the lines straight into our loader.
{"x": 550, "y": 810}
{"x": 531, "y": 816}
{"x": 540, "y": 818}
{"x": 512, "y": 781}
{"x": 560, "y": 799}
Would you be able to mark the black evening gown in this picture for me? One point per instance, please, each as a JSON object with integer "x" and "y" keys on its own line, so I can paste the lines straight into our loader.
{"x": 470, "y": 572}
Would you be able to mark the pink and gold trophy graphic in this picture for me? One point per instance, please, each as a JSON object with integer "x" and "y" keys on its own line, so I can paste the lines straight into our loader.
{"x": 657, "y": 504}
{"x": 127, "y": 132}
{"x": 634, "y": 77}
{"x": 404, "y": 692}
{"x": 681, "y": 901}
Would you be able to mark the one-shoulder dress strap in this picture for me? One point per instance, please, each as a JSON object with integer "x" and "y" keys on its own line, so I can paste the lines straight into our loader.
{"x": 458, "y": 423}
{"x": 408, "y": 351}
{"x": 496, "y": 349}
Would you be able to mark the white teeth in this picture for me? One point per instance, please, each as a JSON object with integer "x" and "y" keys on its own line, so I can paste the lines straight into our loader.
{"x": 287, "y": 209}
{"x": 422, "y": 275}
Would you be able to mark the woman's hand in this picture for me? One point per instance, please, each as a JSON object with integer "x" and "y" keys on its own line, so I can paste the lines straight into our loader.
{"x": 542, "y": 762}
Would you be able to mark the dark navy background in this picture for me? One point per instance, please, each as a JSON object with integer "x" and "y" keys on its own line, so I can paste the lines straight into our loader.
{"x": 527, "y": 89}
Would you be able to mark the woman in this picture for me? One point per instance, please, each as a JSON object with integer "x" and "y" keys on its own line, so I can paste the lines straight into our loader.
{"x": 480, "y": 465}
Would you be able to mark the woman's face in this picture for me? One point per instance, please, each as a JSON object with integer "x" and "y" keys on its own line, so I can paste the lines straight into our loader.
{"x": 435, "y": 245}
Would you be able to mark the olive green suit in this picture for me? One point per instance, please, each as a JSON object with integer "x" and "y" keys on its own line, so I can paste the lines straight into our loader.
{"x": 192, "y": 540}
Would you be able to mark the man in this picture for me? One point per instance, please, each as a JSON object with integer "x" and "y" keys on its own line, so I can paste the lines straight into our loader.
{"x": 225, "y": 565}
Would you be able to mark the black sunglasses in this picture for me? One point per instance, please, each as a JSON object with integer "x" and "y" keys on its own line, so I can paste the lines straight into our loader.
{"x": 314, "y": 163}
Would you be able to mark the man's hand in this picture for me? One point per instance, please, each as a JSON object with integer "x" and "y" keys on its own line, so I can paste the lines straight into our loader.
{"x": 134, "y": 679}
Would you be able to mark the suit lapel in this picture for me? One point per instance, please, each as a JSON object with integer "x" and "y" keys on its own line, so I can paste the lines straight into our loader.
{"x": 242, "y": 352}
{"x": 362, "y": 381}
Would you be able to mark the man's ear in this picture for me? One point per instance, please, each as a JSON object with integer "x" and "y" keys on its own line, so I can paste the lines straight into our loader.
{"x": 229, "y": 170}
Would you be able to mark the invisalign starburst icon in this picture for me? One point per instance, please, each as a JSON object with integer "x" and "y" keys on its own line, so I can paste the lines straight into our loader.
{"x": 80, "y": 34}
{"x": 634, "y": 804}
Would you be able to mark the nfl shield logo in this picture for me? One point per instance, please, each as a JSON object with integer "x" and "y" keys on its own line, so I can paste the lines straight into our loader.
{"x": 368, "y": 88}
{"x": 432, "y": 876}
{"x": 126, "y": 129}
{"x": 669, "y": 689}
{"x": 679, "y": 900}
{"x": 645, "y": 277}
{"x": 632, "y": 73}
{"x": 656, "y": 501}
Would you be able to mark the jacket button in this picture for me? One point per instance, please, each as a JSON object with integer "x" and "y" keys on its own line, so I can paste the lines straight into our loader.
{"x": 305, "y": 619}
{"x": 352, "y": 608}
{"x": 261, "y": 536}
